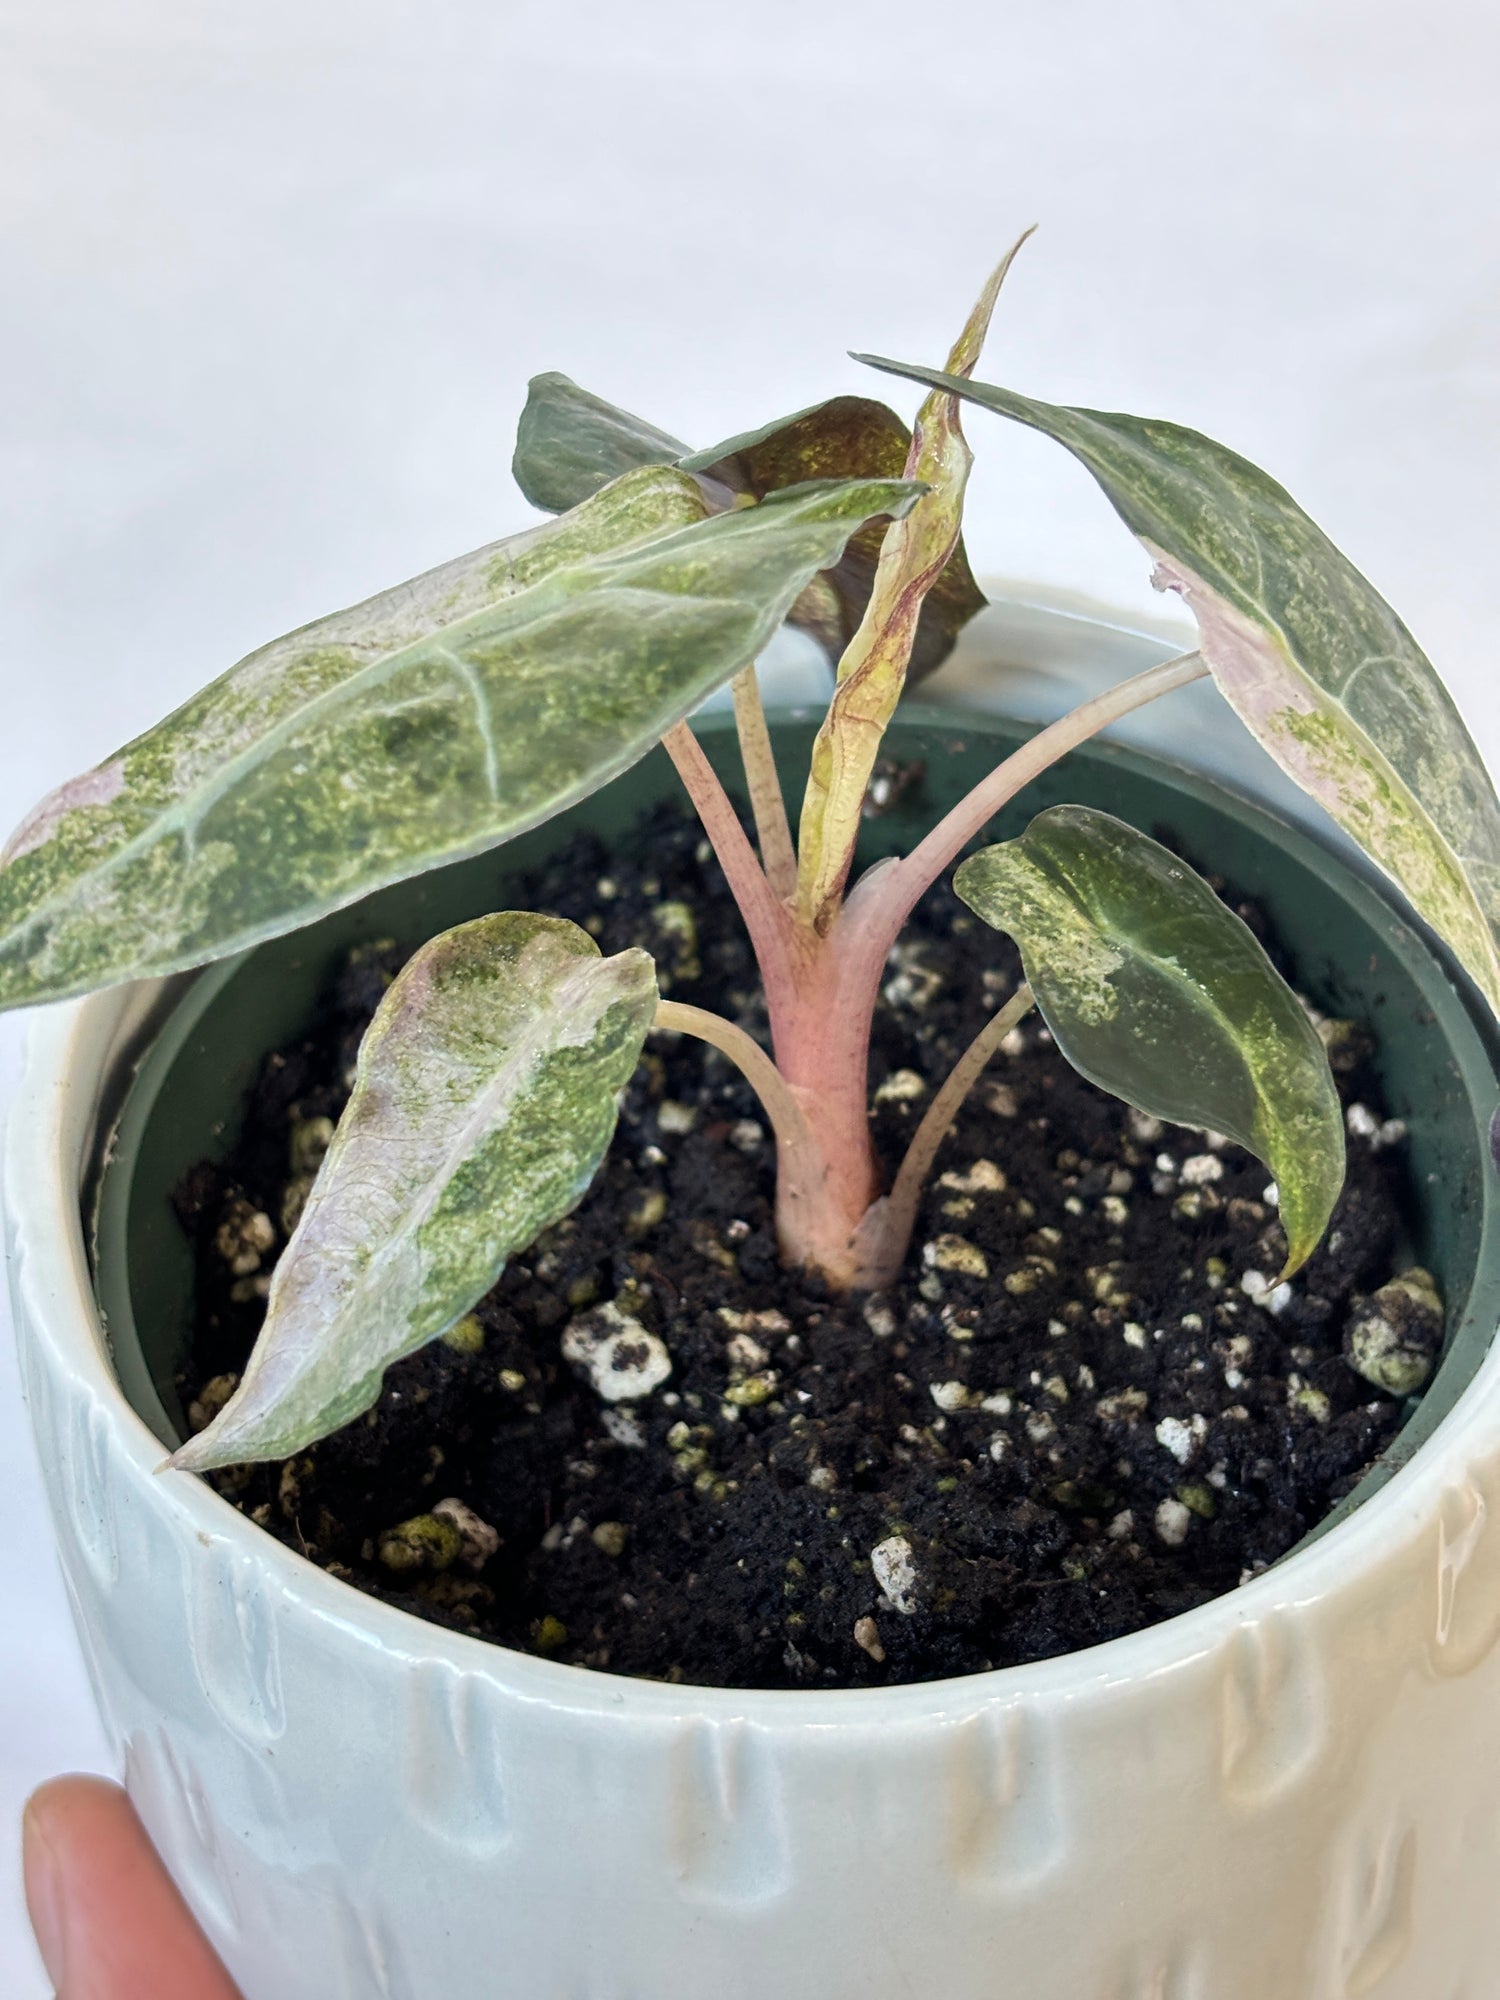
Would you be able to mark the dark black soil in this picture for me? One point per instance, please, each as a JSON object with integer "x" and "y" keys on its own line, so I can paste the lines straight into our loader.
{"x": 1069, "y": 1420}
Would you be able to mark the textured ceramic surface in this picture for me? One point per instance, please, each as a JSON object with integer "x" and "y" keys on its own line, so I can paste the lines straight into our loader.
{"x": 1290, "y": 1794}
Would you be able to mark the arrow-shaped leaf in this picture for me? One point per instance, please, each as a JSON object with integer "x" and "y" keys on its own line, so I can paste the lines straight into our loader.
{"x": 1155, "y": 990}
{"x": 486, "y": 1093}
{"x": 426, "y": 724}
{"x": 1310, "y": 656}
{"x": 569, "y": 442}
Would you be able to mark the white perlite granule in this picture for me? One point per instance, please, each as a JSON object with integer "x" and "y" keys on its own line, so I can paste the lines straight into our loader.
{"x": 895, "y": 1569}
{"x": 618, "y": 1357}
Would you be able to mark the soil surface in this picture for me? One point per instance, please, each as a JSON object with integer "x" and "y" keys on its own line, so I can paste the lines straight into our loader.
{"x": 1080, "y": 1411}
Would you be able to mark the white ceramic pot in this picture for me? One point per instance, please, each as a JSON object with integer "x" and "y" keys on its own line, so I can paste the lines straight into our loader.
{"x": 1292, "y": 1793}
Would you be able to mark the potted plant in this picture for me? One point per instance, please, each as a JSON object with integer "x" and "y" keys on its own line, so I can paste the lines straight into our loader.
{"x": 915, "y": 1465}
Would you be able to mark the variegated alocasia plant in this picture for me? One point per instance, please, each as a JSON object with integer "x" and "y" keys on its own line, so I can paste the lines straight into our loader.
{"x": 458, "y": 710}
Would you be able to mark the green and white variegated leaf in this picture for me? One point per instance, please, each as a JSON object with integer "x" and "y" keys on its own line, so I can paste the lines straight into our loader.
{"x": 1310, "y": 656}
{"x": 486, "y": 1094}
{"x": 1156, "y": 991}
{"x": 570, "y": 441}
{"x": 426, "y": 724}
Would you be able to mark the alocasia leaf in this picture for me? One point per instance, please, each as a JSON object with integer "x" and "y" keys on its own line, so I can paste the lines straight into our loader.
{"x": 846, "y": 438}
{"x": 1156, "y": 991}
{"x": 914, "y": 557}
{"x": 485, "y": 1096}
{"x": 1310, "y": 656}
{"x": 428, "y": 723}
{"x": 569, "y": 441}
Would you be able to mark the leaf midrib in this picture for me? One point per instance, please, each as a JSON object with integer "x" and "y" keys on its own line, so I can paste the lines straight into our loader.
{"x": 1198, "y": 996}
{"x": 193, "y": 805}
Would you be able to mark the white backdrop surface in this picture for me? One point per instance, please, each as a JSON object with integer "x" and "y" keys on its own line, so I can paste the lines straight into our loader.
{"x": 272, "y": 280}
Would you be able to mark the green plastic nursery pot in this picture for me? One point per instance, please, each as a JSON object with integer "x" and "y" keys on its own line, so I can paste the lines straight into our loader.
{"x": 1351, "y": 955}
{"x": 1291, "y": 1792}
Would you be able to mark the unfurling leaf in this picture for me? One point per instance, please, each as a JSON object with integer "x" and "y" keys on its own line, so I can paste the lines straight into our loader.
{"x": 569, "y": 442}
{"x": 486, "y": 1093}
{"x": 1156, "y": 991}
{"x": 873, "y": 670}
{"x": 1310, "y": 656}
{"x": 426, "y": 724}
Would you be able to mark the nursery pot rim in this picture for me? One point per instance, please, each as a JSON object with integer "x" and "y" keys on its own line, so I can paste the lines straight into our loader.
{"x": 60, "y": 1122}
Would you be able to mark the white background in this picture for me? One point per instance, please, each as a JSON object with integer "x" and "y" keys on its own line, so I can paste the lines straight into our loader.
{"x": 272, "y": 278}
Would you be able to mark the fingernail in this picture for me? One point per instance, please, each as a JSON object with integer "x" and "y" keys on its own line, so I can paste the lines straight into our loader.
{"x": 44, "y": 1893}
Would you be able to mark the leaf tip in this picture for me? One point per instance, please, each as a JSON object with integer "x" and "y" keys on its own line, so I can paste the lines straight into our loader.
{"x": 967, "y": 348}
{"x": 99, "y": 787}
{"x": 206, "y": 1452}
